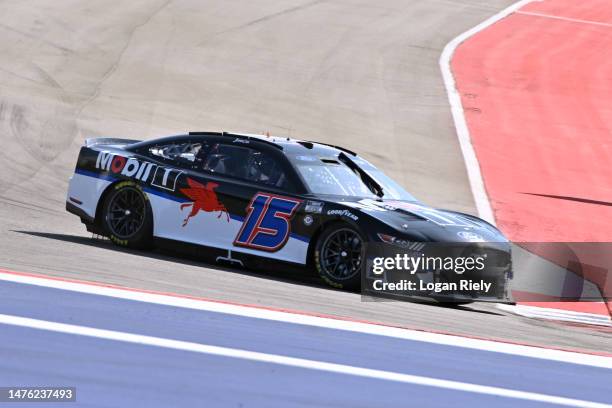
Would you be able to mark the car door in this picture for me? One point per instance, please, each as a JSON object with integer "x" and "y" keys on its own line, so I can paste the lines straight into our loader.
{"x": 241, "y": 195}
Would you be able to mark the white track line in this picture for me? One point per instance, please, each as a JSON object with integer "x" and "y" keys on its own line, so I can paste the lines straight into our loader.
{"x": 569, "y": 19}
{"x": 469, "y": 155}
{"x": 292, "y": 361}
{"x": 317, "y": 321}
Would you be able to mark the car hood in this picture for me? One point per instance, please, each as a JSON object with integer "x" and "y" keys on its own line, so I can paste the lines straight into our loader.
{"x": 423, "y": 223}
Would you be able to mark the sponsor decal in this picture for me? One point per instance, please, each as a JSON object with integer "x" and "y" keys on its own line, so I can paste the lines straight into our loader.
{"x": 413, "y": 246}
{"x": 430, "y": 214}
{"x": 104, "y": 161}
{"x": 204, "y": 199}
{"x": 267, "y": 225}
{"x": 308, "y": 220}
{"x": 368, "y": 205}
{"x": 435, "y": 216}
{"x": 470, "y": 236}
{"x": 165, "y": 178}
{"x": 239, "y": 140}
{"x": 343, "y": 213}
{"x": 118, "y": 164}
{"x": 314, "y": 207}
{"x": 158, "y": 176}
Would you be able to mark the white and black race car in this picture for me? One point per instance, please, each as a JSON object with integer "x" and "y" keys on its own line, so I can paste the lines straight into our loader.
{"x": 245, "y": 197}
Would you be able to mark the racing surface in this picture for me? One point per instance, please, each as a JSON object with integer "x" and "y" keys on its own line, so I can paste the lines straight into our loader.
{"x": 198, "y": 353}
{"x": 352, "y": 73}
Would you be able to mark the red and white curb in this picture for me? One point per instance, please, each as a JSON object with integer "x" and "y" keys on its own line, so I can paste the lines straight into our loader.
{"x": 537, "y": 312}
{"x": 479, "y": 191}
{"x": 477, "y": 186}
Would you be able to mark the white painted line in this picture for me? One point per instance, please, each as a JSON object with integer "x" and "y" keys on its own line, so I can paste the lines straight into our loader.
{"x": 557, "y": 314}
{"x": 292, "y": 361}
{"x": 323, "y": 322}
{"x": 467, "y": 149}
{"x": 569, "y": 19}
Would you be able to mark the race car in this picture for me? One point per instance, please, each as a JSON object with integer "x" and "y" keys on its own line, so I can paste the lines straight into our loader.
{"x": 245, "y": 196}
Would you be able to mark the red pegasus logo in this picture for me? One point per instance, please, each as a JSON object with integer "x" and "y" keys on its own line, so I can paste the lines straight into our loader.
{"x": 204, "y": 198}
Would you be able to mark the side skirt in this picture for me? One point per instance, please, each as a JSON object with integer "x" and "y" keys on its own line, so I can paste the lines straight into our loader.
{"x": 220, "y": 256}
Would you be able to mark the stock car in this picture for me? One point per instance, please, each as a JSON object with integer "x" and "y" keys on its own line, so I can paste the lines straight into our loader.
{"x": 244, "y": 196}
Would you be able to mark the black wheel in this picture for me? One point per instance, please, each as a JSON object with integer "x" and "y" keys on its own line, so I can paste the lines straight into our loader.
{"x": 127, "y": 218}
{"x": 338, "y": 256}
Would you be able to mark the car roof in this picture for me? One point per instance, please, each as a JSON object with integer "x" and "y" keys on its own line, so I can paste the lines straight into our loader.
{"x": 288, "y": 145}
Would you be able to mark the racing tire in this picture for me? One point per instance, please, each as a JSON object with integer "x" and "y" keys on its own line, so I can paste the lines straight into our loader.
{"x": 338, "y": 254}
{"x": 127, "y": 218}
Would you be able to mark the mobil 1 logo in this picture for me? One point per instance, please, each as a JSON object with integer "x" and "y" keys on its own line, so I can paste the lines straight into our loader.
{"x": 151, "y": 173}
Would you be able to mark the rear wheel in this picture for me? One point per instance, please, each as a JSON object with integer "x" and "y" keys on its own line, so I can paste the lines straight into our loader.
{"x": 127, "y": 217}
{"x": 338, "y": 255}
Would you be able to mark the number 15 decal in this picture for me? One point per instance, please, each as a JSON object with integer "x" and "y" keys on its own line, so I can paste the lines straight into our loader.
{"x": 266, "y": 226}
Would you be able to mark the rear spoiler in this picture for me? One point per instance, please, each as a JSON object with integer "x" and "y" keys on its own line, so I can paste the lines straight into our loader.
{"x": 109, "y": 141}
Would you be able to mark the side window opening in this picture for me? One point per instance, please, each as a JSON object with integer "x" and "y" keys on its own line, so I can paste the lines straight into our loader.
{"x": 182, "y": 152}
{"x": 263, "y": 169}
{"x": 245, "y": 163}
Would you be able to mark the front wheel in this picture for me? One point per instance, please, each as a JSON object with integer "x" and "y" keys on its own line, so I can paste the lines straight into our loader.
{"x": 338, "y": 255}
{"x": 127, "y": 216}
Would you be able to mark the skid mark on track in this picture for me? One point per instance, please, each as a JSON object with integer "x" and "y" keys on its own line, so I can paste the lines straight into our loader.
{"x": 35, "y": 38}
{"x": 115, "y": 65}
{"x": 29, "y": 206}
{"x": 576, "y": 199}
{"x": 261, "y": 20}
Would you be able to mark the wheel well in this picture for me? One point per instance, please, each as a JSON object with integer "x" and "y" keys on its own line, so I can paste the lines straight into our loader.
{"x": 107, "y": 190}
{"x": 315, "y": 237}
{"x": 313, "y": 243}
{"x": 97, "y": 219}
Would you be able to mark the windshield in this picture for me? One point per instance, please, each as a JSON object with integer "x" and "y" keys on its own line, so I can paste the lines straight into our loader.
{"x": 337, "y": 179}
{"x": 328, "y": 175}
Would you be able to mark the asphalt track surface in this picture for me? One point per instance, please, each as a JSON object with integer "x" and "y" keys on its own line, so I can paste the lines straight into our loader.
{"x": 354, "y": 73}
{"x": 130, "y": 359}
